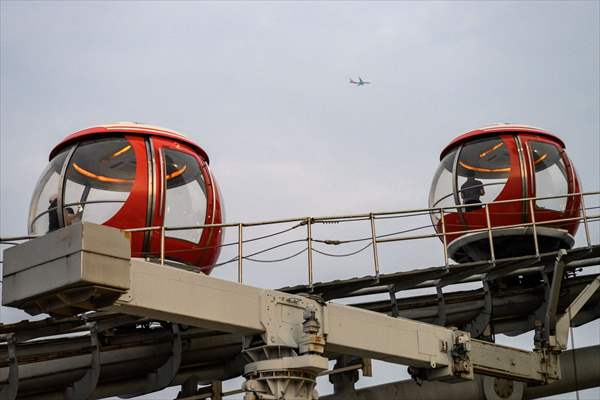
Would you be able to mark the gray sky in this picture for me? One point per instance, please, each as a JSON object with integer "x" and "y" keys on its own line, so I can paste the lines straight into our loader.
{"x": 263, "y": 88}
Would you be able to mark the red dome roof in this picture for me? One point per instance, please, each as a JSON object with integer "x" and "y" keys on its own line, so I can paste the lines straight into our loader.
{"x": 129, "y": 128}
{"x": 494, "y": 130}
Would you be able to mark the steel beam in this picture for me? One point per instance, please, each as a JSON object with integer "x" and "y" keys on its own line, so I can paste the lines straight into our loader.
{"x": 507, "y": 362}
{"x": 564, "y": 322}
{"x": 173, "y": 295}
{"x": 170, "y": 294}
{"x": 587, "y": 363}
{"x": 553, "y": 295}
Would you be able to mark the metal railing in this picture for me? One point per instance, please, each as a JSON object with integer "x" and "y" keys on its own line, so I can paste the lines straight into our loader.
{"x": 374, "y": 240}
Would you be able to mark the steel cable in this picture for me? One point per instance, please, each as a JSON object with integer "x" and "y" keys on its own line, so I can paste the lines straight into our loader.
{"x": 343, "y": 255}
{"x": 275, "y": 247}
{"x": 234, "y": 243}
{"x": 262, "y": 237}
{"x": 236, "y": 258}
{"x": 277, "y": 260}
{"x": 337, "y": 242}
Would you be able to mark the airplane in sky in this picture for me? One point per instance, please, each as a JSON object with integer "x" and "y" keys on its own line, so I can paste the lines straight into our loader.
{"x": 360, "y": 82}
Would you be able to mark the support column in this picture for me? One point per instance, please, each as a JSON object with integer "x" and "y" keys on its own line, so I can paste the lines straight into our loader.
{"x": 287, "y": 357}
{"x": 343, "y": 383}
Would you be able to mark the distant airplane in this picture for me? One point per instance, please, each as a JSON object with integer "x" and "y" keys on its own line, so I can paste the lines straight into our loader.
{"x": 360, "y": 82}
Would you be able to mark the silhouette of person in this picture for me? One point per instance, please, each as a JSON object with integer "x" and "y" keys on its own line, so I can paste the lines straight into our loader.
{"x": 472, "y": 190}
{"x": 53, "y": 223}
{"x": 53, "y": 213}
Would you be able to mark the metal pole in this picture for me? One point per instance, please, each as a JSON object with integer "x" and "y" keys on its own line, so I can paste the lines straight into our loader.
{"x": 489, "y": 230}
{"x": 309, "y": 248}
{"x": 374, "y": 244}
{"x": 162, "y": 245}
{"x": 585, "y": 222}
{"x": 444, "y": 239}
{"x": 573, "y": 352}
{"x": 535, "y": 237}
{"x": 240, "y": 252}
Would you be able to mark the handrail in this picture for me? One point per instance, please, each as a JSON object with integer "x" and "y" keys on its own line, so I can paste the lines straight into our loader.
{"x": 373, "y": 238}
{"x": 77, "y": 203}
{"x": 372, "y": 218}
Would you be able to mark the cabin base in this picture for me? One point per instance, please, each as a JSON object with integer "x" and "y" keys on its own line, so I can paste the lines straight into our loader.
{"x": 510, "y": 242}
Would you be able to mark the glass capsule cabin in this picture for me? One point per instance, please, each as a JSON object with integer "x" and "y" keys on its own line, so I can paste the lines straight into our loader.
{"x": 505, "y": 164}
{"x": 133, "y": 176}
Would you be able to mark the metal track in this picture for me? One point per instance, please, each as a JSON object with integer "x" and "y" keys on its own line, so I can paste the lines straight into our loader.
{"x": 453, "y": 274}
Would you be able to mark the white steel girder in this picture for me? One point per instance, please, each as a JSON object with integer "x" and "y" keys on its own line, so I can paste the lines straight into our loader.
{"x": 195, "y": 299}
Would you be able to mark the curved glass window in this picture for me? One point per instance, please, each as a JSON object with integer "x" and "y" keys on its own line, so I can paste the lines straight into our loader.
{"x": 99, "y": 179}
{"x": 482, "y": 171}
{"x": 185, "y": 196}
{"x": 441, "y": 193}
{"x": 550, "y": 175}
{"x": 43, "y": 212}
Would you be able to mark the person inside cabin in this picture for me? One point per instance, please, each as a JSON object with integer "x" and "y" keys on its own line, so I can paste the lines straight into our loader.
{"x": 53, "y": 213}
{"x": 471, "y": 191}
{"x": 70, "y": 215}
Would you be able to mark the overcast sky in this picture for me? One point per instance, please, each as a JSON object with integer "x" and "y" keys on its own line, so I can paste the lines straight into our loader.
{"x": 263, "y": 88}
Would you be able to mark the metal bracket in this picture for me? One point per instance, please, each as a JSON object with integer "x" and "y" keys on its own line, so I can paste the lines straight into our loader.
{"x": 164, "y": 375}
{"x": 282, "y": 316}
{"x": 83, "y": 388}
{"x": 9, "y": 391}
{"x": 394, "y": 301}
{"x": 442, "y": 317}
{"x": 343, "y": 379}
{"x": 537, "y": 317}
{"x": 287, "y": 363}
{"x": 543, "y": 318}
{"x": 564, "y": 322}
{"x": 461, "y": 367}
{"x": 80, "y": 389}
{"x": 477, "y": 326}
{"x": 552, "y": 305}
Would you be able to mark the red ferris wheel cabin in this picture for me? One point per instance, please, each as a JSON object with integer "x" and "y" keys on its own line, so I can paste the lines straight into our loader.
{"x": 498, "y": 163}
{"x": 129, "y": 175}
